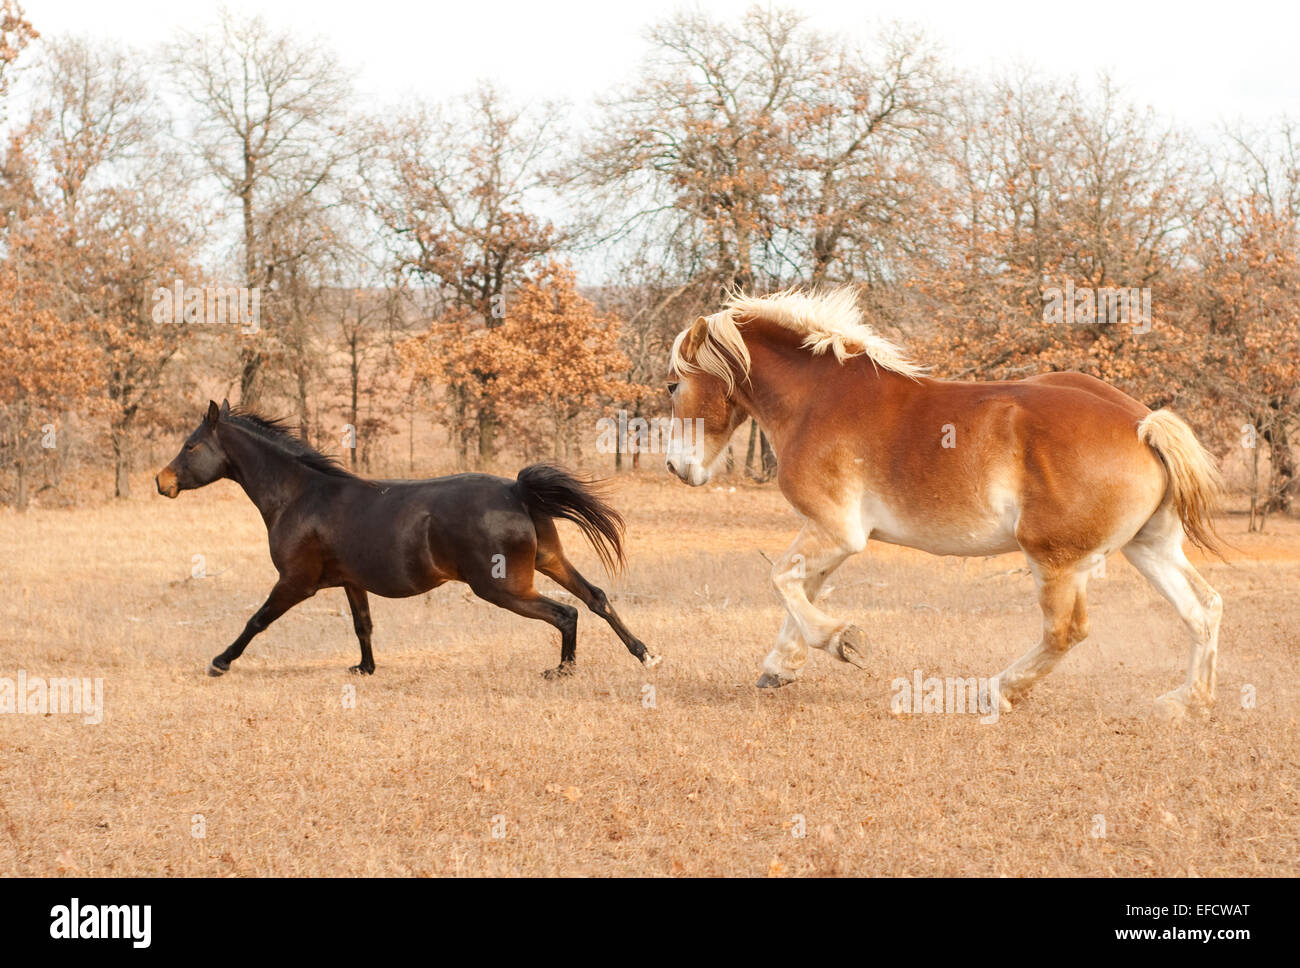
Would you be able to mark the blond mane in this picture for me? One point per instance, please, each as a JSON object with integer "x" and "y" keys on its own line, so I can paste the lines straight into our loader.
{"x": 828, "y": 321}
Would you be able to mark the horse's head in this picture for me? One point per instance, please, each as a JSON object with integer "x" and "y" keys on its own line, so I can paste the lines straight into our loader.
{"x": 707, "y": 359}
{"x": 201, "y": 460}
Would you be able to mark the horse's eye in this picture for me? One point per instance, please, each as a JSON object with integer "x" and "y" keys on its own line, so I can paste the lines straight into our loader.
{"x": 672, "y": 388}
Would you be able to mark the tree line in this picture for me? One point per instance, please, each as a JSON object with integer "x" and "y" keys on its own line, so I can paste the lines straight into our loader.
{"x": 491, "y": 267}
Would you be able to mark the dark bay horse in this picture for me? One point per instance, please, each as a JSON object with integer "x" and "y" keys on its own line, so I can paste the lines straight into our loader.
{"x": 329, "y": 528}
{"x": 1060, "y": 466}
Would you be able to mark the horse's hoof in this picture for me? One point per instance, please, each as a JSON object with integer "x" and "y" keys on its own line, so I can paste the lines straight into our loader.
{"x": 1006, "y": 697}
{"x": 561, "y": 671}
{"x": 360, "y": 670}
{"x": 1171, "y": 707}
{"x": 214, "y": 669}
{"x": 650, "y": 659}
{"x": 770, "y": 681}
{"x": 853, "y": 646}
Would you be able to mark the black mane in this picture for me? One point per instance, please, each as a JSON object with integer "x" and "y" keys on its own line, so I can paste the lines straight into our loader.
{"x": 276, "y": 431}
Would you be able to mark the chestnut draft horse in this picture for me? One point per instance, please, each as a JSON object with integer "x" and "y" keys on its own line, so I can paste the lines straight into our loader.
{"x": 1061, "y": 466}
{"x": 328, "y": 528}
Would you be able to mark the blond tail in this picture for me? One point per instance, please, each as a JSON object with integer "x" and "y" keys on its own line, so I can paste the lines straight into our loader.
{"x": 1194, "y": 482}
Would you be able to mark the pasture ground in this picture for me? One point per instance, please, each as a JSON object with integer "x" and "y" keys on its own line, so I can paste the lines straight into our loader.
{"x": 458, "y": 738}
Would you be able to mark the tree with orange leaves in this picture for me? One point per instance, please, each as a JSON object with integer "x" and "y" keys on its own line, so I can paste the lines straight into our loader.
{"x": 553, "y": 359}
{"x": 16, "y": 32}
{"x": 1052, "y": 192}
{"x": 1242, "y": 302}
{"x": 557, "y": 357}
{"x": 48, "y": 364}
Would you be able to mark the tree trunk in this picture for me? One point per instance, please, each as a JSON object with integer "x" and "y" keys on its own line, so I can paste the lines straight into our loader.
{"x": 633, "y": 442}
{"x": 1254, "y": 492}
{"x": 1283, "y": 464}
{"x": 769, "y": 459}
{"x": 121, "y": 462}
{"x": 410, "y": 436}
{"x": 20, "y": 465}
{"x": 250, "y": 366}
{"x": 460, "y": 427}
{"x": 250, "y": 359}
{"x": 753, "y": 443}
{"x": 304, "y": 408}
{"x": 618, "y": 445}
{"x": 356, "y": 392}
{"x": 487, "y": 436}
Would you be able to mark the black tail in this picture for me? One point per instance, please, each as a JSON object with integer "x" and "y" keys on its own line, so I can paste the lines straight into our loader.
{"x": 553, "y": 491}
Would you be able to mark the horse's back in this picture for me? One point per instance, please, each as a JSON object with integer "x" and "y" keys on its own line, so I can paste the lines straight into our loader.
{"x": 1090, "y": 384}
{"x": 471, "y": 480}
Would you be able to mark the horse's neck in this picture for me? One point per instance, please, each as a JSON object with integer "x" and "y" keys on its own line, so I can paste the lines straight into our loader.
{"x": 271, "y": 479}
{"x": 788, "y": 386}
{"x": 784, "y": 381}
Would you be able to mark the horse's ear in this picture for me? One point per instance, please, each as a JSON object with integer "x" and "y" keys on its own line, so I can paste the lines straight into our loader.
{"x": 213, "y": 414}
{"x": 225, "y": 409}
{"x": 695, "y": 338}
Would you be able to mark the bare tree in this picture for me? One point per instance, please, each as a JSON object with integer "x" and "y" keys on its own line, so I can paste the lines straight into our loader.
{"x": 862, "y": 173}
{"x": 97, "y": 110}
{"x": 1244, "y": 301}
{"x": 270, "y": 128}
{"x": 126, "y": 230}
{"x": 455, "y": 188}
{"x": 691, "y": 154}
{"x": 758, "y": 153}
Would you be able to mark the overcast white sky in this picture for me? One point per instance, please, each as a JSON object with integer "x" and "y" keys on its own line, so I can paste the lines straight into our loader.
{"x": 1199, "y": 64}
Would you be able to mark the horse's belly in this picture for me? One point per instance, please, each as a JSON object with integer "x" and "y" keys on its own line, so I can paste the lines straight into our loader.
{"x": 968, "y": 545}
{"x": 967, "y": 532}
{"x": 390, "y": 569}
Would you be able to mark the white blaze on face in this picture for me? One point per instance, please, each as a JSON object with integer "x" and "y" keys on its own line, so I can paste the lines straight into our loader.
{"x": 685, "y": 451}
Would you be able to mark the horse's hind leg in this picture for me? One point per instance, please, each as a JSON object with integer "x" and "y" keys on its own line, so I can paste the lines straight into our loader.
{"x": 1157, "y": 552}
{"x": 1062, "y": 596}
{"x": 284, "y": 596}
{"x": 362, "y": 625}
{"x": 531, "y": 604}
{"x": 552, "y": 563}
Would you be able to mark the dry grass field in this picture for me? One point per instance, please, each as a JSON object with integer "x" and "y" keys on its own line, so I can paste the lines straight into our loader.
{"x": 458, "y": 739}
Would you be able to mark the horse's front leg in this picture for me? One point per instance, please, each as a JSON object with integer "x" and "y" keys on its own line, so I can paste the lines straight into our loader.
{"x": 798, "y": 576}
{"x": 362, "y": 625}
{"x": 284, "y": 596}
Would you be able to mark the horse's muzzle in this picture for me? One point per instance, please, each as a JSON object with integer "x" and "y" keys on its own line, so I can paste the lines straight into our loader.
{"x": 167, "y": 483}
{"x": 688, "y": 471}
